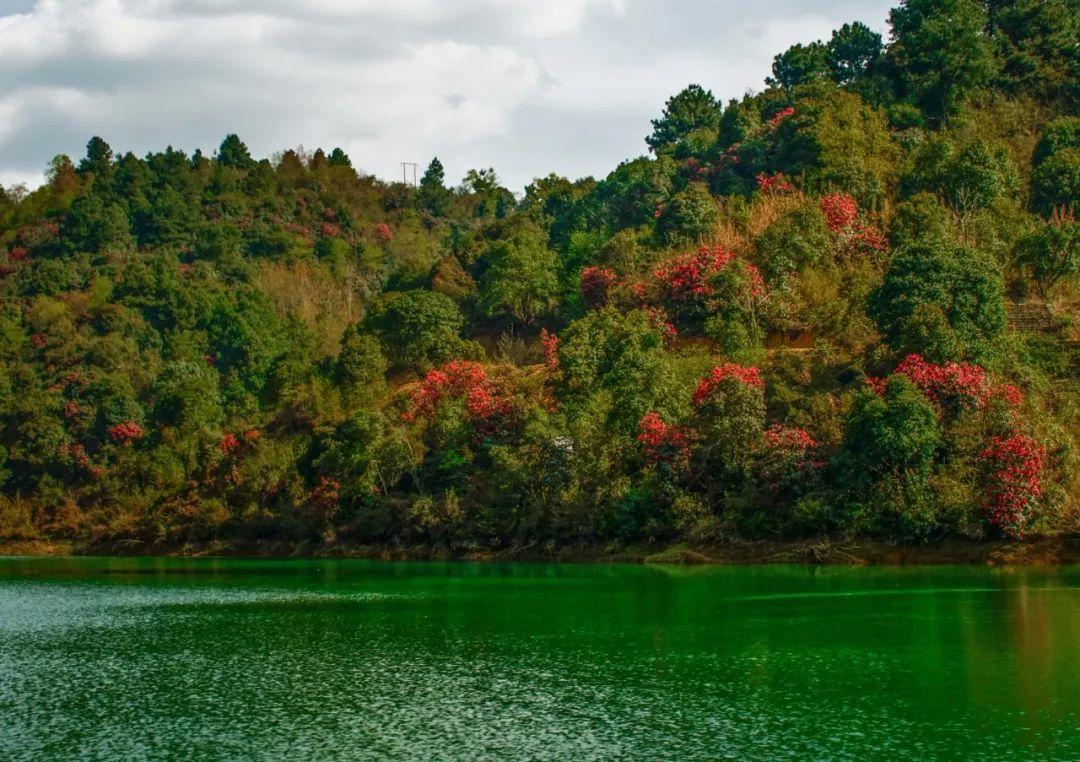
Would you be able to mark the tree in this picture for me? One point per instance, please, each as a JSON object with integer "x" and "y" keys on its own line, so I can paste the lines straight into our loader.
{"x": 852, "y": 51}
{"x": 233, "y": 153}
{"x": 940, "y": 51}
{"x": 613, "y": 365}
{"x": 633, "y": 193}
{"x": 519, "y": 278}
{"x": 694, "y": 108}
{"x": 1056, "y": 181}
{"x": 418, "y": 329}
{"x": 339, "y": 158}
{"x": 99, "y": 157}
{"x": 894, "y": 434}
{"x": 799, "y": 65}
{"x": 691, "y": 215}
{"x": 433, "y": 195}
{"x": 1052, "y": 252}
{"x": 958, "y": 288}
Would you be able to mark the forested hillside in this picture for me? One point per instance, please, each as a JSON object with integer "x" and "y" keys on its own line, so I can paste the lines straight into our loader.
{"x": 844, "y": 305}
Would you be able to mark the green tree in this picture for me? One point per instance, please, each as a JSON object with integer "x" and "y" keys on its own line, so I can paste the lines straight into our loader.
{"x": 931, "y": 276}
{"x": 1052, "y": 253}
{"x": 519, "y": 277}
{"x": 691, "y": 215}
{"x": 1055, "y": 183}
{"x": 799, "y": 65}
{"x": 614, "y": 365}
{"x": 99, "y": 158}
{"x": 433, "y": 195}
{"x": 418, "y": 329}
{"x": 692, "y": 109}
{"x": 940, "y": 51}
{"x": 233, "y": 153}
{"x": 852, "y": 50}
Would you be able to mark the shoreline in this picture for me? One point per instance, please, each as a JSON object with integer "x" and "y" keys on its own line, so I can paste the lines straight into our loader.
{"x": 815, "y": 551}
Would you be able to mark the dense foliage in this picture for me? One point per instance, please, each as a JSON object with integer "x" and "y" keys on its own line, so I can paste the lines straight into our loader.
{"x": 790, "y": 318}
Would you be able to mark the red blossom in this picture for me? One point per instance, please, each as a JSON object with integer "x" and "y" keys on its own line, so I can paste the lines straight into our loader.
{"x": 756, "y": 288}
{"x": 18, "y": 253}
{"x": 662, "y": 442}
{"x": 325, "y": 497}
{"x": 596, "y": 283}
{"x": 125, "y": 433}
{"x": 877, "y": 384}
{"x": 330, "y": 230}
{"x": 252, "y": 435}
{"x": 463, "y": 380}
{"x": 789, "y": 438}
{"x": 37, "y": 339}
{"x": 228, "y": 443}
{"x": 870, "y": 238}
{"x": 953, "y": 383}
{"x": 1014, "y": 484}
{"x": 780, "y": 116}
{"x": 550, "y": 343}
{"x": 1009, "y": 394}
{"x": 71, "y": 409}
{"x": 383, "y": 232}
{"x": 840, "y": 211}
{"x": 775, "y": 183}
{"x": 688, "y": 275}
{"x": 658, "y": 320}
{"x": 747, "y": 376}
{"x": 787, "y": 460}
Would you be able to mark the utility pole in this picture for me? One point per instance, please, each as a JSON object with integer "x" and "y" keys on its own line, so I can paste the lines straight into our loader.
{"x": 404, "y": 172}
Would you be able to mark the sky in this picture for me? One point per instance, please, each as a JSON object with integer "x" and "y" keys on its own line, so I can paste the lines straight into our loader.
{"x": 528, "y": 87}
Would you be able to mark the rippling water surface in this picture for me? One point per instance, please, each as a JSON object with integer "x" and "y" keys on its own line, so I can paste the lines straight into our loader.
{"x": 175, "y": 659}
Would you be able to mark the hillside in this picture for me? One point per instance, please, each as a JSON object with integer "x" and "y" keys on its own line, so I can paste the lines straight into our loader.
{"x": 845, "y": 305}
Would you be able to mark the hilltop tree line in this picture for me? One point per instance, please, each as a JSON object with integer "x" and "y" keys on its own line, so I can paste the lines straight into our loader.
{"x": 789, "y": 318}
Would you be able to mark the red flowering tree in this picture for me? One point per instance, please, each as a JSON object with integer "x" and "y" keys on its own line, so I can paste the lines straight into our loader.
{"x": 228, "y": 444}
{"x": 596, "y": 284}
{"x": 788, "y": 463}
{"x": 463, "y": 382}
{"x": 709, "y": 280}
{"x": 324, "y": 499}
{"x": 663, "y": 443}
{"x": 780, "y": 116}
{"x": 708, "y": 387}
{"x": 773, "y": 184}
{"x": 1014, "y": 467}
{"x": 125, "y": 433}
{"x": 730, "y": 406}
{"x": 952, "y": 385}
{"x": 550, "y": 343}
{"x": 658, "y": 319}
{"x": 840, "y": 211}
{"x": 383, "y": 232}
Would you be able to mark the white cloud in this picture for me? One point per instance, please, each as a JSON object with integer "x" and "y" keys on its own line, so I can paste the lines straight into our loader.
{"x": 528, "y": 87}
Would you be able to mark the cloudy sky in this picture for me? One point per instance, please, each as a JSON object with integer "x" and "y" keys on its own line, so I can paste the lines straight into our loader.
{"x": 525, "y": 86}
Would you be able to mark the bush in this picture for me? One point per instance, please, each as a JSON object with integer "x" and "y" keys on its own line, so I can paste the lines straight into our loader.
{"x": 942, "y": 300}
{"x": 1056, "y": 182}
{"x": 418, "y": 329}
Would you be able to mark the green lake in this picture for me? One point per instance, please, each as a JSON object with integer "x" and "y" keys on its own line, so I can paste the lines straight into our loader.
{"x": 204, "y": 659}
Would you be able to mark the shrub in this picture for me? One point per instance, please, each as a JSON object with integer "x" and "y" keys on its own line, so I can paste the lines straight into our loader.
{"x": 1056, "y": 182}
{"x": 1014, "y": 467}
